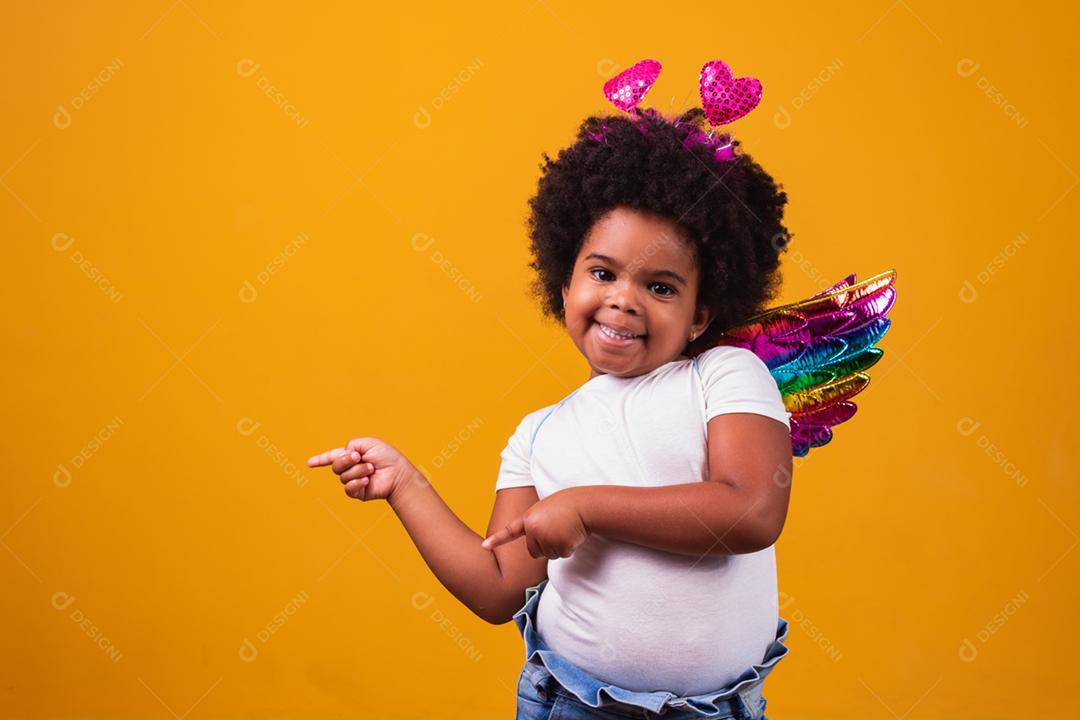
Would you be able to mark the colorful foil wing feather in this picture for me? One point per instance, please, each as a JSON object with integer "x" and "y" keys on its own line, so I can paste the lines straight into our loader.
{"x": 818, "y": 351}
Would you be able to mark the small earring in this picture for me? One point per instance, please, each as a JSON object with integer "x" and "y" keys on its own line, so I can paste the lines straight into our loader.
{"x": 692, "y": 336}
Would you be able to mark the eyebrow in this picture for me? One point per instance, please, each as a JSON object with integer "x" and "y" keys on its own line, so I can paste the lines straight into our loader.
{"x": 612, "y": 261}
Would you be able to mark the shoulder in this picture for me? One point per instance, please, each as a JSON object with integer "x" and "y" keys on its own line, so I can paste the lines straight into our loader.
{"x": 729, "y": 356}
{"x": 532, "y": 421}
{"x": 539, "y": 415}
{"x": 516, "y": 466}
{"x": 735, "y": 379}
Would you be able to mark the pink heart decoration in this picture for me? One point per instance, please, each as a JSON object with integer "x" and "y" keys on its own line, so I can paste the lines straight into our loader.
{"x": 726, "y": 98}
{"x": 629, "y": 87}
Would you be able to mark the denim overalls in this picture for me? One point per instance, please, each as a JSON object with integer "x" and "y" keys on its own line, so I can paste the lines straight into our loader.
{"x": 552, "y": 688}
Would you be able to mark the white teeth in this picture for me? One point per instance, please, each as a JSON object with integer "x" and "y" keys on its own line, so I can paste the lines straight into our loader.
{"x": 615, "y": 334}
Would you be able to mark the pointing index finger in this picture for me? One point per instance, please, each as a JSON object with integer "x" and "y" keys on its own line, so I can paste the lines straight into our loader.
{"x": 325, "y": 458}
{"x": 514, "y": 530}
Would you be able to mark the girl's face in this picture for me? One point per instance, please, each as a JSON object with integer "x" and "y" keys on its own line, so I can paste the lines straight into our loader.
{"x": 633, "y": 275}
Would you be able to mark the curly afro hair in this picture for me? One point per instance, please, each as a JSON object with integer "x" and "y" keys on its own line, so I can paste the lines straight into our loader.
{"x": 724, "y": 203}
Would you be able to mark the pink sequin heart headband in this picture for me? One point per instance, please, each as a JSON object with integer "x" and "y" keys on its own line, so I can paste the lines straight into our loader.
{"x": 724, "y": 99}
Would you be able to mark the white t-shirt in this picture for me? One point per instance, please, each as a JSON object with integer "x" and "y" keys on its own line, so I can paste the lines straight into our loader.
{"x": 640, "y": 618}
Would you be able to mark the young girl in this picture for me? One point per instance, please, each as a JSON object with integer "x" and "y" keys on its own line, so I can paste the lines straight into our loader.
{"x": 631, "y": 538}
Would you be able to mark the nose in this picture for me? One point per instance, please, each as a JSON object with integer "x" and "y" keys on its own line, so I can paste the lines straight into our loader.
{"x": 621, "y": 295}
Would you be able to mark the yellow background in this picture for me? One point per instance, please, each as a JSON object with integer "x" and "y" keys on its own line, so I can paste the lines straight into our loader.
{"x": 246, "y": 243}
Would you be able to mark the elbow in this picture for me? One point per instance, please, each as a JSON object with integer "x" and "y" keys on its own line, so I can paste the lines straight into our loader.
{"x": 491, "y": 615}
{"x": 496, "y": 614}
{"x": 771, "y": 534}
{"x": 769, "y": 512}
{"x": 769, "y": 527}
{"x": 493, "y": 618}
{"x": 756, "y": 532}
{"x": 750, "y": 540}
{"x": 498, "y": 618}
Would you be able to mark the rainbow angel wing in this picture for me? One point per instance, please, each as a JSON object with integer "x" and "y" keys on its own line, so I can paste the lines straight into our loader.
{"x": 818, "y": 351}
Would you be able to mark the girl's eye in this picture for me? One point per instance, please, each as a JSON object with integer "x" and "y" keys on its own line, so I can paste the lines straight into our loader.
{"x": 668, "y": 291}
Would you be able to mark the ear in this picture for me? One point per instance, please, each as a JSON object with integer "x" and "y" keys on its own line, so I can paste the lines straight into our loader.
{"x": 565, "y": 292}
{"x": 702, "y": 318}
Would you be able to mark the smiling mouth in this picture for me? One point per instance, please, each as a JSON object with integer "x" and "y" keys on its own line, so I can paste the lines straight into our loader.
{"x": 613, "y": 337}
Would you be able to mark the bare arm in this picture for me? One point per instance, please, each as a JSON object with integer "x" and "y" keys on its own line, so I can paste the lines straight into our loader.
{"x": 452, "y": 550}
{"x": 518, "y": 568}
{"x": 740, "y": 509}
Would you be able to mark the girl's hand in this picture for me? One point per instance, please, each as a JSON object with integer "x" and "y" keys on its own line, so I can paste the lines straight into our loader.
{"x": 553, "y": 527}
{"x": 370, "y": 469}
